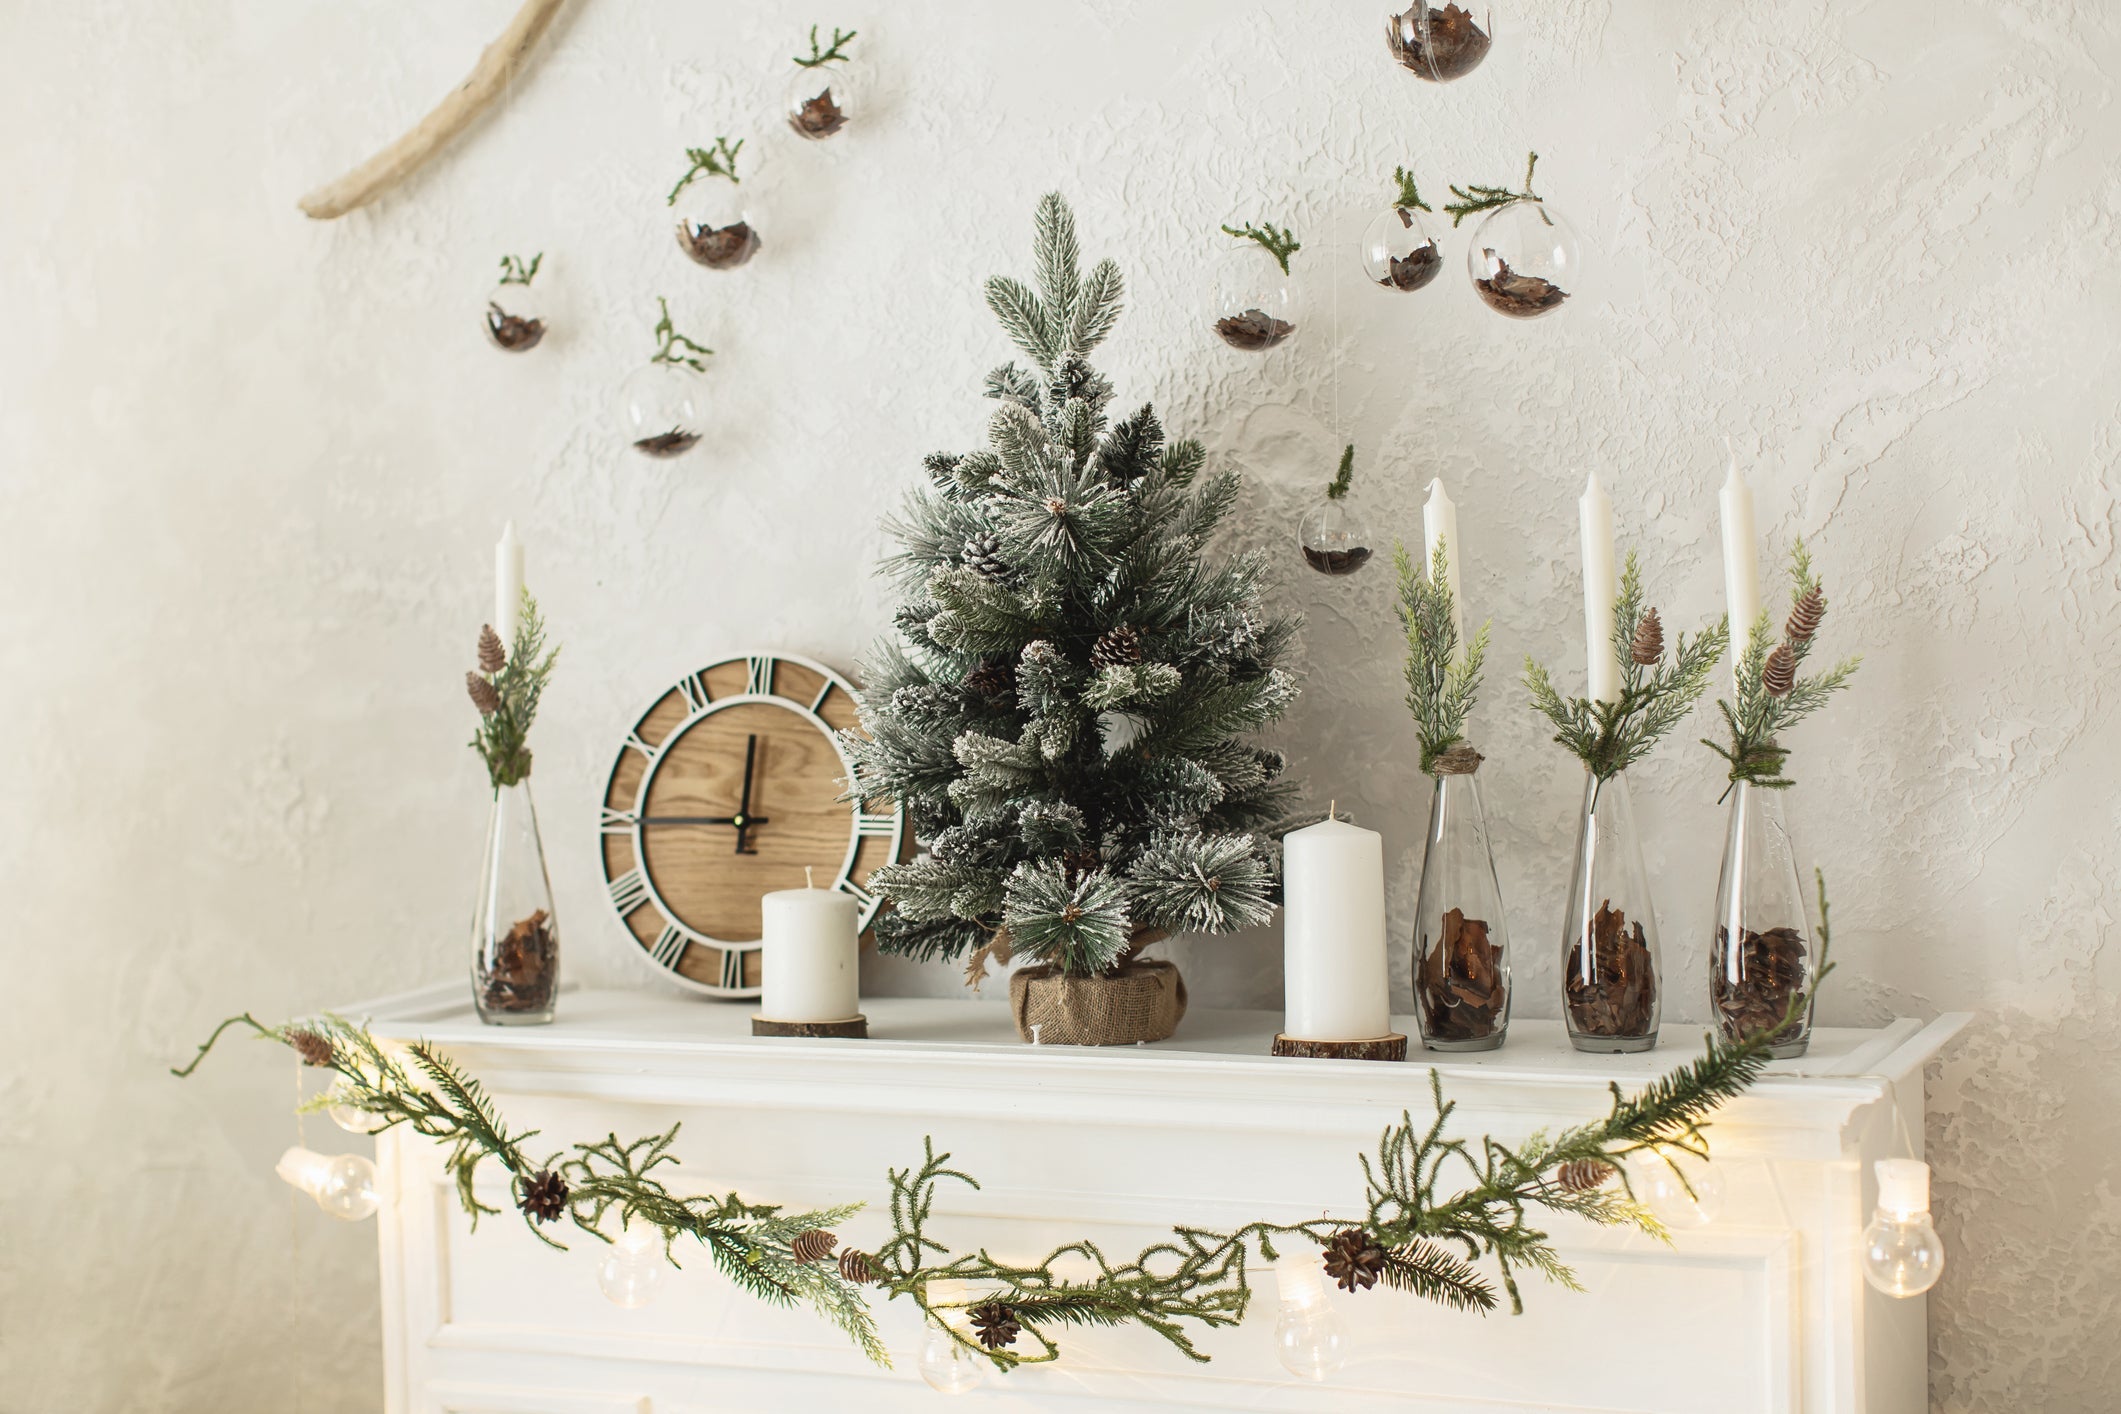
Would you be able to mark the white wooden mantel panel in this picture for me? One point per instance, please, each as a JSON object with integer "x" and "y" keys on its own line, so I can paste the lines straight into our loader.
{"x": 1762, "y": 1312}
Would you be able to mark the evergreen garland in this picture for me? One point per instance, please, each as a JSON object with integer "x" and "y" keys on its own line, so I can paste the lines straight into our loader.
{"x": 1064, "y": 710}
{"x": 1440, "y": 693}
{"x": 1755, "y": 755}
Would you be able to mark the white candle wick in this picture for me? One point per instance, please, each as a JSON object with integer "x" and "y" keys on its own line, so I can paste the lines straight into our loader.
{"x": 809, "y": 877}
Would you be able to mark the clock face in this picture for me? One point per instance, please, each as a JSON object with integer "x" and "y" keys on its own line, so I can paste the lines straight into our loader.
{"x": 725, "y": 790}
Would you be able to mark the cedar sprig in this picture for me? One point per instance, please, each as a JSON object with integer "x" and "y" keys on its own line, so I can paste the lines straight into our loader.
{"x": 673, "y": 347}
{"x": 1442, "y": 683}
{"x": 835, "y": 53}
{"x": 1609, "y": 737}
{"x": 1755, "y": 754}
{"x": 1409, "y": 195}
{"x": 515, "y": 272}
{"x": 506, "y": 689}
{"x": 1337, "y": 488}
{"x": 716, "y": 161}
{"x": 1277, "y": 241}
{"x": 1475, "y": 199}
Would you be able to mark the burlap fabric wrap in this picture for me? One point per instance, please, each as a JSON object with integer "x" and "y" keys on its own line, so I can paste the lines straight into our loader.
{"x": 1143, "y": 1001}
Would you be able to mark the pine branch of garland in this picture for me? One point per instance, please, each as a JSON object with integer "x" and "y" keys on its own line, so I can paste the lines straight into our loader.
{"x": 1277, "y": 241}
{"x": 1755, "y": 754}
{"x": 506, "y": 690}
{"x": 1475, "y": 199}
{"x": 1440, "y": 691}
{"x": 834, "y": 53}
{"x": 716, "y": 161}
{"x": 1408, "y": 197}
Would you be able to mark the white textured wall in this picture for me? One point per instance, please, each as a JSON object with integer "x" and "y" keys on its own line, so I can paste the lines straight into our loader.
{"x": 250, "y": 467}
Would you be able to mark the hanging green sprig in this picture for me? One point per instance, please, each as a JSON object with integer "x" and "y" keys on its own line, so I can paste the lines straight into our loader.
{"x": 505, "y": 687}
{"x": 835, "y": 53}
{"x": 515, "y": 272}
{"x": 1475, "y": 199}
{"x": 716, "y": 161}
{"x": 1609, "y": 737}
{"x": 673, "y": 347}
{"x": 1277, "y": 241}
{"x": 1345, "y": 477}
{"x": 1409, "y": 195}
{"x": 1440, "y": 691}
{"x": 1773, "y": 694}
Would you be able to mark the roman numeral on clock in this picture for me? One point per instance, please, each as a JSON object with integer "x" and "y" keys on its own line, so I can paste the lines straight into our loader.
{"x": 615, "y": 822}
{"x": 732, "y": 968}
{"x": 759, "y": 681}
{"x": 629, "y": 891}
{"x": 861, "y": 895}
{"x": 867, "y": 824}
{"x": 670, "y": 945}
{"x": 695, "y": 690}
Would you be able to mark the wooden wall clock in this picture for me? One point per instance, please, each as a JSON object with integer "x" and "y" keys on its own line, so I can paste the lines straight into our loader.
{"x": 725, "y": 790}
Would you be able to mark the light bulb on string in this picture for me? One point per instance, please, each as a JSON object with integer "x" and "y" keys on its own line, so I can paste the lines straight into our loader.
{"x": 351, "y": 1118}
{"x": 1662, "y": 1186}
{"x": 631, "y": 1269}
{"x": 945, "y": 1363}
{"x": 344, "y": 1185}
{"x": 1902, "y": 1253}
{"x": 1308, "y": 1339}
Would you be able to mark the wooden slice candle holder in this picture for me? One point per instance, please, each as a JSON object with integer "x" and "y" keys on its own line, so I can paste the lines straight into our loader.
{"x": 854, "y": 1028}
{"x": 1377, "y": 1048}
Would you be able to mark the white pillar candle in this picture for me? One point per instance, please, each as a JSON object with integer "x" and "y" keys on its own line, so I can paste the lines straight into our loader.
{"x": 812, "y": 956}
{"x": 1439, "y": 524}
{"x": 507, "y": 586}
{"x": 1333, "y": 934}
{"x": 1741, "y": 560}
{"x": 1600, "y": 587}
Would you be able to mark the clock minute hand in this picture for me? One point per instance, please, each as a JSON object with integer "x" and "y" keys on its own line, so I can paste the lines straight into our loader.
{"x": 744, "y": 818}
{"x": 688, "y": 819}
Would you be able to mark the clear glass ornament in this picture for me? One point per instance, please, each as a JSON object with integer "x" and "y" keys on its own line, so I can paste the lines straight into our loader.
{"x": 1761, "y": 953}
{"x": 1400, "y": 252}
{"x": 1461, "y": 940}
{"x": 515, "y": 317}
{"x": 1611, "y": 987}
{"x": 1902, "y": 1253}
{"x": 1679, "y": 1190}
{"x": 1254, "y": 304}
{"x": 515, "y": 940}
{"x": 1333, "y": 539}
{"x": 947, "y": 1366}
{"x": 1524, "y": 260}
{"x": 1308, "y": 1337}
{"x": 351, "y": 1118}
{"x": 630, "y": 1270}
{"x": 1438, "y": 44}
{"x": 344, "y": 1185}
{"x": 820, "y": 101}
{"x": 714, "y": 224}
{"x": 659, "y": 409}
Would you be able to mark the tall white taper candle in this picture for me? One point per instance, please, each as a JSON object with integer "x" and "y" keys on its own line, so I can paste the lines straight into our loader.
{"x": 507, "y": 585}
{"x": 1741, "y": 560}
{"x": 812, "y": 964}
{"x": 1600, "y": 587}
{"x": 1439, "y": 522}
{"x": 1333, "y": 934}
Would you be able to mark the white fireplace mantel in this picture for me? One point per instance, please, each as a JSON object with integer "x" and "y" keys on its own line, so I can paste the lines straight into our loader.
{"x": 1763, "y": 1309}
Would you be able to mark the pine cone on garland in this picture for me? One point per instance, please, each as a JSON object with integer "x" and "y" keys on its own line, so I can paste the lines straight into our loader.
{"x": 1779, "y": 673}
{"x": 544, "y": 1196}
{"x": 1805, "y": 616}
{"x": 1583, "y": 1175}
{"x": 312, "y": 1048}
{"x": 1648, "y": 646}
{"x": 856, "y": 1266}
{"x": 813, "y": 1245}
{"x": 1353, "y": 1260}
{"x": 1118, "y": 648}
{"x": 996, "y": 1325}
{"x": 484, "y": 695}
{"x": 492, "y": 656}
{"x": 983, "y": 556}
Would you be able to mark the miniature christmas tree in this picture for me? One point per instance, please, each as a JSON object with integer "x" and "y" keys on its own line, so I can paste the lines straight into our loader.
{"x": 1064, "y": 714}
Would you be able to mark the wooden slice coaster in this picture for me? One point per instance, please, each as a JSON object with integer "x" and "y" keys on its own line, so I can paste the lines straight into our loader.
{"x": 854, "y": 1028}
{"x": 1379, "y": 1048}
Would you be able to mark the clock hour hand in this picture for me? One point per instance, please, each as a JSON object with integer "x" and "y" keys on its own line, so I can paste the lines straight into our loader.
{"x": 688, "y": 819}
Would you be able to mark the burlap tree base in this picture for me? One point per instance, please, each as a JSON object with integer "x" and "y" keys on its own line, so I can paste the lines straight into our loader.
{"x": 1143, "y": 1001}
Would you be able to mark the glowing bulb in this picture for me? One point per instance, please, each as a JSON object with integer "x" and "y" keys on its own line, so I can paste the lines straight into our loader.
{"x": 632, "y": 1267}
{"x": 1902, "y": 1254}
{"x": 945, "y": 1363}
{"x": 1307, "y": 1335}
{"x": 344, "y": 1185}
{"x": 1661, "y": 1186}
{"x": 352, "y": 1118}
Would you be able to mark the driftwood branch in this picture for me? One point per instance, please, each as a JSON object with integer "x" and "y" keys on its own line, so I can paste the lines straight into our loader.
{"x": 501, "y": 61}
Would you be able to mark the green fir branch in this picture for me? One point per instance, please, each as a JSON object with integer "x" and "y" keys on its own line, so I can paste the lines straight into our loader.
{"x": 835, "y": 53}
{"x": 1337, "y": 488}
{"x": 503, "y": 736}
{"x": 1408, "y": 197}
{"x": 1475, "y": 199}
{"x": 1755, "y": 754}
{"x": 1442, "y": 684}
{"x": 1278, "y": 241}
{"x": 716, "y": 161}
{"x": 673, "y": 347}
{"x": 515, "y": 272}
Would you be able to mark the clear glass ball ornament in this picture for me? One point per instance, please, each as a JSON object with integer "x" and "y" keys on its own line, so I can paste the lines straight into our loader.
{"x": 948, "y": 1366}
{"x": 351, "y": 1118}
{"x": 659, "y": 409}
{"x": 630, "y": 1270}
{"x": 715, "y": 228}
{"x": 1661, "y": 1183}
{"x": 1254, "y": 306}
{"x": 1524, "y": 260}
{"x": 1308, "y": 1337}
{"x": 820, "y": 101}
{"x": 515, "y": 317}
{"x": 1438, "y": 44}
{"x": 1399, "y": 251}
{"x": 1334, "y": 540}
{"x": 1902, "y": 1253}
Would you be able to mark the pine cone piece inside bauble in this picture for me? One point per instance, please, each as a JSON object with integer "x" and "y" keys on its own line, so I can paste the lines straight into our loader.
{"x": 1805, "y": 616}
{"x": 1779, "y": 673}
{"x": 983, "y": 556}
{"x": 1583, "y": 1175}
{"x": 1117, "y": 648}
{"x": 312, "y": 1048}
{"x": 857, "y": 1267}
{"x": 813, "y": 1245}
{"x": 1353, "y": 1260}
{"x": 484, "y": 695}
{"x": 996, "y": 1325}
{"x": 544, "y": 1196}
{"x": 1648, "y": 645}
{"x": 492, "y": 656}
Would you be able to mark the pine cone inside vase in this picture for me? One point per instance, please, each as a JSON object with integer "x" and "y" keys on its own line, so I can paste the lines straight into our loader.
{"x": 996, "y": 1325}
{"x": 1583, "y": 1175}
{"x": 1353, "y": 1260}
{"x": 484, "y": 695}
{"x": 813, "y": 1245}
{"x": 1805, "y": 616}
{"x": 544, "y": 1196}
{"x": 983, "y": 556}
{"x": 857, "y": 1267}
{"x": 1779, "y": 673}
{"x": 1117, "y": 648}
{"x": 492, "y": 655}
{"x": 1648, "y": 645}
{"x": 312, "y": 1048}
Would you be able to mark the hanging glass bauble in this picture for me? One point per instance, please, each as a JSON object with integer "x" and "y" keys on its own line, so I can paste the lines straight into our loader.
{"x": 1254, "y": 304}
{"x": 822, "y": 100}
{"x": 1399, "y": 252}
{"x": 1438, "y": 44}
{"x": 715, "y": 228}
{"x": 1524, "y": 260}
{"x": 1334, "y": 541}
{"x": 515, "y": 318}
{"x": 659, "y": 409}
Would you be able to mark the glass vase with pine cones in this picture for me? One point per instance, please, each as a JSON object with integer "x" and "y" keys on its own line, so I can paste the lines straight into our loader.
{"x": 515, "y": 939}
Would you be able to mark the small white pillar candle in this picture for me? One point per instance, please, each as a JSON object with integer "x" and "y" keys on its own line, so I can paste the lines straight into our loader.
{"x": 812, "y": 956}
{"x": 1741, "y": 560}
{"x": 507, "y": 586}
{"x": 1601, "y": 586}
{"x": 1333, "y": 934}
{"x": 1439, "y": 523}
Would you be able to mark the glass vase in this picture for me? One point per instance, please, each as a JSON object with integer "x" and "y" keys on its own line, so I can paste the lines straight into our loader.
{"x": 1461, "y": 943}
{"x": 1610, "y": 985}
{"x": 1760, "y": 956}
{"x": 515, "y": 941}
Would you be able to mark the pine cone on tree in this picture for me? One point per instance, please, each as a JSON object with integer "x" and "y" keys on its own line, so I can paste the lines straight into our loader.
{"x": 1805, "y": 616}
{"x": 1353, "y": 1260}
{"x": 484, "y": 695}
{"x": 1648, "y": 645}
{"x": 312, "y": 1048}
{"x": 1583, "y": 1175}
{"x": 1079, "y": 862}
{"x": 992, "y": 679}
{"x": 492, "y": 656}
{"x": 1779, "y": 673}
{"x": 1117, "y": 648}
{"x": 856, "y": 1266}
{"x": 996, "y": 1325}
{"x": 983, "y": 556}
{"x": 813, "y": 1245}
{"x": 544, "y": 1196}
